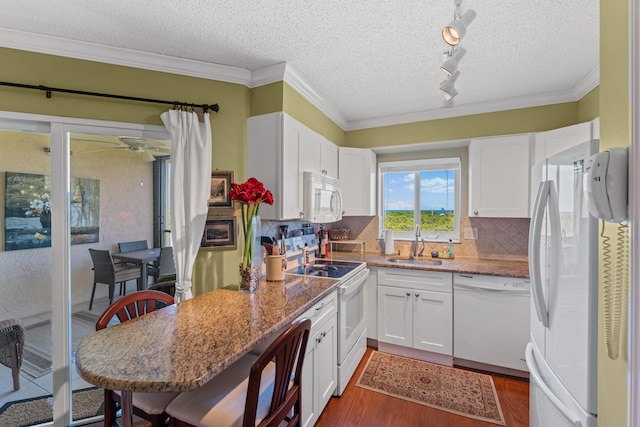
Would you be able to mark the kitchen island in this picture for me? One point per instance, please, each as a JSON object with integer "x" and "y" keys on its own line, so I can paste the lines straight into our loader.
{"x": 181, "y": 347}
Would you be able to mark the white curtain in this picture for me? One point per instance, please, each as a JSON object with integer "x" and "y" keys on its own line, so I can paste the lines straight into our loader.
{"x": 190, "y": 187}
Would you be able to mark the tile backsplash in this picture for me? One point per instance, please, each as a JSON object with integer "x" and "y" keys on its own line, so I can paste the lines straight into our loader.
{"x": 498, "y": 238}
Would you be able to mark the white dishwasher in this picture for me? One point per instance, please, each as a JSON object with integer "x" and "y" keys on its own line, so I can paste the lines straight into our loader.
{"x": 490, "y": 320}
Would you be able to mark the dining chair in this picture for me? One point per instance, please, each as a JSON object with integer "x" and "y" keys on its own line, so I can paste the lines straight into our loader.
{"x": 136, "y": 245}
{"x": 11, "y": 347}
{"x": 269, "y": 395}
{"x": 108, "y": 273}
{"x": 165, "y": 268}
{"x": 149, "y": 406}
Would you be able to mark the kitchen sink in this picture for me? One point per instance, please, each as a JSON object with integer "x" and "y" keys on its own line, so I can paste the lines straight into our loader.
{"x": 412, "y": 260}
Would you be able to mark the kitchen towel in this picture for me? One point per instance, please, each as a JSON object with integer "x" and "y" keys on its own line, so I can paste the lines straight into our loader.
{"x": 388, "y": 242}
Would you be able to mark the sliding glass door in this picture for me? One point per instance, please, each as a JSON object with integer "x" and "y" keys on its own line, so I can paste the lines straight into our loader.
{"x": 84, "y": 184}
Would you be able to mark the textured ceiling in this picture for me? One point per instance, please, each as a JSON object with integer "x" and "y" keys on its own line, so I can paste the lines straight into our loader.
{"x": 365, "y": 59}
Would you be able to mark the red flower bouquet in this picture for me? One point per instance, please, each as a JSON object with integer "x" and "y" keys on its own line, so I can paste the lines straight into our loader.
{"x": 250, "y": 194}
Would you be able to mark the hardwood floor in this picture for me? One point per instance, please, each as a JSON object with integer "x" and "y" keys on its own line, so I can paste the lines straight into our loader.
{"x": 360, "y": 407}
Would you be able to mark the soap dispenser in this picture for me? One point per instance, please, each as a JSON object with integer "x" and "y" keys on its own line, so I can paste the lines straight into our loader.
{"x": 450, "y": 249}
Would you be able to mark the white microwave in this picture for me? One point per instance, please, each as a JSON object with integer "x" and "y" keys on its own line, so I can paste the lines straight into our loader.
{"x": 322, "y": 198}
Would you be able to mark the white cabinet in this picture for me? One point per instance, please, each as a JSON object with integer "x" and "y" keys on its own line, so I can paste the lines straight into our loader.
{"x": 499, "y": 170}
{"x": 415, "y": 309}
{"x": 546, "y": 144}
{"x": 371, "y": 303}
{"x": 319, "y": 155}
{"x": 357, "y": 171}
{"x": 320, "y": 369}
{"x": 273, "y": 157}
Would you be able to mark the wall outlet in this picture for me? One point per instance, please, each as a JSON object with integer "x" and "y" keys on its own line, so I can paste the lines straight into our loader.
{"x": 470, "y": 233}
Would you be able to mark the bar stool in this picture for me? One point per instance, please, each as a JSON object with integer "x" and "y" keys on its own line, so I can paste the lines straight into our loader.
{"x": 268, "y": 395}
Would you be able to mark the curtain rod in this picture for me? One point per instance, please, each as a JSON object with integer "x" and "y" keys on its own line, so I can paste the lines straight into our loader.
{"x": 48, "y": 90}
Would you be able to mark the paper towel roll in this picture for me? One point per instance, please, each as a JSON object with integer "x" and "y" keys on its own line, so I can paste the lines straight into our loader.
{"x": 388, "y": 242}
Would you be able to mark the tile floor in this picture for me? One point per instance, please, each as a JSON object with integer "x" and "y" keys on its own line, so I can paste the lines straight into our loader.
{"x": 30, "y": 387}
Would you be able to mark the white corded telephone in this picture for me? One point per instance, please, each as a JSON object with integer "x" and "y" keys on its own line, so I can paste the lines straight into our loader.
{"x": 606, "y": 184}
{"x": 606, "y": 190}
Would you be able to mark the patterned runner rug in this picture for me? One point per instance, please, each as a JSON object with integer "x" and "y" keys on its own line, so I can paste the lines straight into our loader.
{"x": 458, "y": 391}
{"x": 38, "y": 347}
{"x": 86, "y": 403}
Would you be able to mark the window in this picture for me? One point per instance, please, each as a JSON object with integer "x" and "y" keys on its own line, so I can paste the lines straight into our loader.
{"x": 161, "y": 205}
{"x": 421, "y": 192}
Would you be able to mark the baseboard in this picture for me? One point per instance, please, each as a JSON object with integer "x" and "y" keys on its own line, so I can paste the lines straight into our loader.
{"x": 425, "y": 356}
{"x": 490, "y": 368}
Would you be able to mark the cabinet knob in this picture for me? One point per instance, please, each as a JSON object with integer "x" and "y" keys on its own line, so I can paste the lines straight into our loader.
{"x": 475, "y": 213}
{"x": 417, "y": 295}
{"x": 318, "y": 340}
{"x": 324, "y": 334}
{"x": 301, "y": 214}
{"x": 408, "y": 294}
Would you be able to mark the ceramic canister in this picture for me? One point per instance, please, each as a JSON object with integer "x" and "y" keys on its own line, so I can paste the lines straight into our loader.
{"x": 276, "y": 265}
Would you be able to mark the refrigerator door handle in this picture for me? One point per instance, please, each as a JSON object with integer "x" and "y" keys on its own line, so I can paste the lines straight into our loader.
{"x": 537, "y": 378}
{"x": 535, "y": 235}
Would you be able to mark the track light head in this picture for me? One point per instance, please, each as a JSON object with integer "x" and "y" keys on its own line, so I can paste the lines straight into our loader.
{"x": 450, "y": 66}
{"x": 448, "y": 103}
{"x": 448, "y": 86}
{"x": 456, "y": 30}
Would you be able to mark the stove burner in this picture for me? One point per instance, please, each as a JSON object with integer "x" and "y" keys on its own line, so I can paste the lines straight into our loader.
{"x": 326, "y": 268}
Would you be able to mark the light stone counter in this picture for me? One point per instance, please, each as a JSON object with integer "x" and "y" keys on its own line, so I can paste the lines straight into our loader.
{"x": 183, "y": 346}
{"x": 492, "y": 267}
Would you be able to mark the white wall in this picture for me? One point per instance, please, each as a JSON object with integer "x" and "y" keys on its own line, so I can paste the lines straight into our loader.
{"x": 125, "y": 214}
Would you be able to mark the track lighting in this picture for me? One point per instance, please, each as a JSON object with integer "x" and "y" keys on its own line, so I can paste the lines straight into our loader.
{"x": 456, "y": 30}
{"x": 452, "y": 34}
{"x": 450, "y": 66}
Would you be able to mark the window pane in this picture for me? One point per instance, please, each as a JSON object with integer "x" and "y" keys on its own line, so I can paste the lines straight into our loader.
{"x": 437, "y": 200}
{"x": 399, "y": 201}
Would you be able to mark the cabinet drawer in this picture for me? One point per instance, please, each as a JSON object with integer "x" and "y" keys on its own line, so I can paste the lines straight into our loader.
{"x": 322, "y": 310}
{"x": 437, "y": 281}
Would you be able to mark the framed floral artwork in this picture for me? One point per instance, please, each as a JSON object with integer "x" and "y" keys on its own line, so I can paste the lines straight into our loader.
{"x": 27, "y": 211}
{"x": 220, "y": 186}
{"x": 219, "y": 232}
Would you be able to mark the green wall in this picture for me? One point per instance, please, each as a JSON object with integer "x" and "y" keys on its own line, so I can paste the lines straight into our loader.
{"x": 615, "y": 131}
{"x": 213, "y": 269}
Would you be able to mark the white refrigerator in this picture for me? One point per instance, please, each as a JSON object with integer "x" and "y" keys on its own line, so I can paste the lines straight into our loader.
{"x": 563, "y": 265}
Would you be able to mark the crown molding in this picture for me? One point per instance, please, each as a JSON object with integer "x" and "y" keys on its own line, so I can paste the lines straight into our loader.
{"x": 278, "y": 72}
{"x": 120, "y": 56}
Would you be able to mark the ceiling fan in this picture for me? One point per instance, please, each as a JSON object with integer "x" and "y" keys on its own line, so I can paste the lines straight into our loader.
{"x": 147, "y": 148}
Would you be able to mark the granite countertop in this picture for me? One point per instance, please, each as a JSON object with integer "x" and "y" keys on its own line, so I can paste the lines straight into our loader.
{"x": 181, "y": 347}
{"x": 493, "y": 267}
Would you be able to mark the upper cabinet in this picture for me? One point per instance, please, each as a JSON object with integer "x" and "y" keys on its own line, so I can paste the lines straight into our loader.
{"x": 319, "y": 155}
{"x": 279, "y": 150}
{"x": 273, "y": 157}
{"x": 499, "y": 169}
{"x": 547, "y": 144}
{"x": 357, "y": 172}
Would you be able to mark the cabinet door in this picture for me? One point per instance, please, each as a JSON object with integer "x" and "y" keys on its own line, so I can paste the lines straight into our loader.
{"x": 326, "y": 364}
{"x": 371, "y": 303}
{"x": 433, "y": 322}
{"x": 309, "y": 393}
{"x": 310, "y": 150}
{"x": 292, "y": 200}
{"x": 395, "y": 316}
{"x": 357, "y": 171}
{"x": 547, "y": 144}
{"x": 329, "y": 158}
{"x": 499, "y": 170}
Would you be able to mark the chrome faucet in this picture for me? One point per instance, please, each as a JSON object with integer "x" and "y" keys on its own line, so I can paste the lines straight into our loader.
{"x": 415, "y": 252}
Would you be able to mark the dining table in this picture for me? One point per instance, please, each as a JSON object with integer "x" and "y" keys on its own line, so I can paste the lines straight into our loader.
{"x": 185, "y": 345}
{"x": 142, "y": 258}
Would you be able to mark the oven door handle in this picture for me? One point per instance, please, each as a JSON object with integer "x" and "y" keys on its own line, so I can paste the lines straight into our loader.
{"x": 354, "y": 284}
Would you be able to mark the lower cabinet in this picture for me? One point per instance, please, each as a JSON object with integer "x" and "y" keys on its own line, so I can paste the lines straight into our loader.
{"x": 320, "y": 369}
{"x": 411, "y": 313}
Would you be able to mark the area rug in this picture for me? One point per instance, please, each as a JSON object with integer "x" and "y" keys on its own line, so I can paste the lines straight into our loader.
{"x": 86, "y": 403}
{"x": 458, "y": 391}
{"x": 38, "y": 347}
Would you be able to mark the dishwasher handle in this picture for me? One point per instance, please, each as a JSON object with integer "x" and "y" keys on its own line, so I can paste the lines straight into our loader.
{"x": 492, "y": 290}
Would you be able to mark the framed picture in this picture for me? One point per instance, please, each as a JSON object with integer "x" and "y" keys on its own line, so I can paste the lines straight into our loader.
{"x": 220, "y": 232}
{"x": 220, "y": 186}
